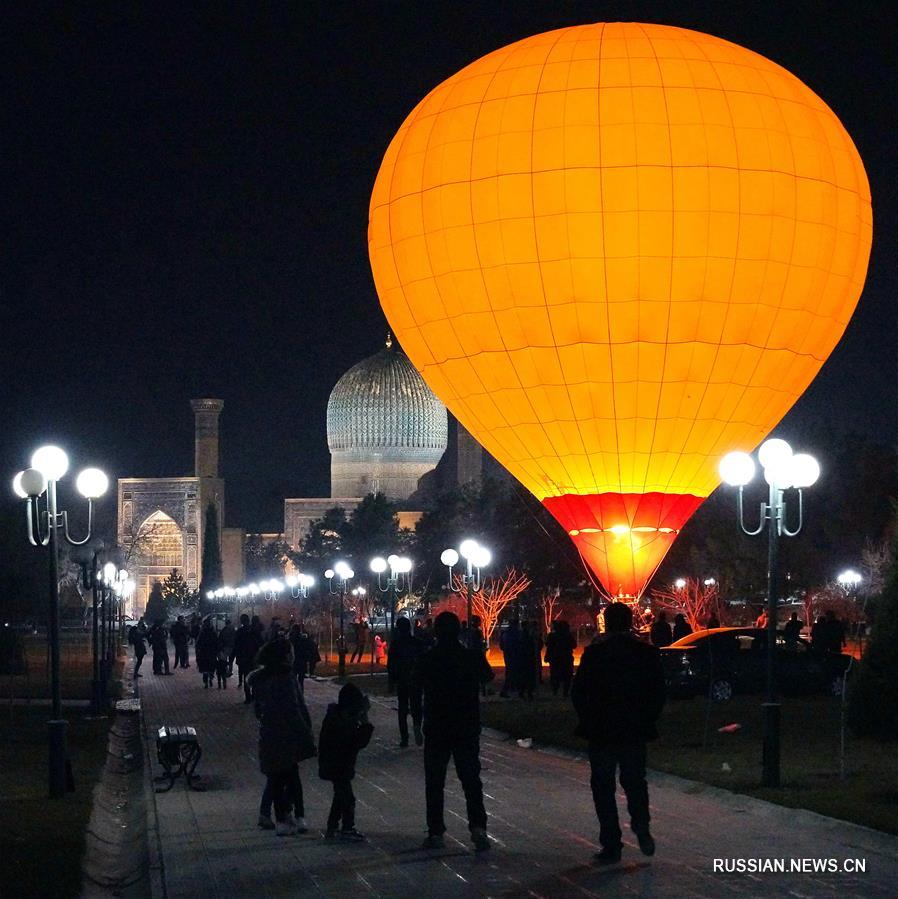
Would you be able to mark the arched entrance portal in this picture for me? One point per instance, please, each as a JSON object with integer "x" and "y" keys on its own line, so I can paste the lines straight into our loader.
{"x": 159, "y": 548}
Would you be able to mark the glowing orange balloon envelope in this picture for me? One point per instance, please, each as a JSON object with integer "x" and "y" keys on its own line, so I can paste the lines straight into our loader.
{"x": 618, "y": 252}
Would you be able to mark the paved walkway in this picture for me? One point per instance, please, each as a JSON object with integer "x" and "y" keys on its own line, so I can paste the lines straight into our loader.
{"x": 542, "y": 825}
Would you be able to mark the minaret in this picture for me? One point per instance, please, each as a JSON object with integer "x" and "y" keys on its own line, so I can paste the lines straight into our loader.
{"x": 206, "y": 412}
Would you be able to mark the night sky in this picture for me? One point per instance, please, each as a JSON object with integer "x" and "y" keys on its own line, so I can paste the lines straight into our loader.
{"x": 185, "y": 202}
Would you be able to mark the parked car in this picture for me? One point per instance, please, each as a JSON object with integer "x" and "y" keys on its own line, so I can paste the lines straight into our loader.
{"x": 728, "y": 660}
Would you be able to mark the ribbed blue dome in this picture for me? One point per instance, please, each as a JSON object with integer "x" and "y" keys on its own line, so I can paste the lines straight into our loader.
{"x": 382, "y": 402}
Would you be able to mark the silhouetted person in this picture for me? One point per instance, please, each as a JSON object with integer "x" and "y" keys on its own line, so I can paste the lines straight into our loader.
{"x": 206, "y": 652}
{"x": 247, "y": 643}
{"x": 527, "y": 661}
{"x": 450, "y": 676}
{"x": 618, "y": 693}
{"x": 158, "y": 638}
{"x": 819, "y": 637}
{"x": 404, "y": 652}
{"x": 792, "y": 631}
{"x": 285, "y": 736}
{"x": 361, "y": 640}
{"x": 179, "y": 636}
{"x": 835, "y": 633}
{"x": 345, "y": 731}
{"x": 138, "y": 639}
{"x": 195, "y": 626}
{"x": 660, "y": 634}
{"x": 681, "y": 627}
{"x": 509, "y": 643}
{"x": 713, "y": 621}
{"x": 560, "y": 646}
{"x": 226, "y": 642}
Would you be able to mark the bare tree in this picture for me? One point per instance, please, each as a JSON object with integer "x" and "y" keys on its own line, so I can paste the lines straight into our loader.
{"x": 551, "y": 607}
{"x": 494, "y": 595}
{"x": 876, "y": 559}
{"x": 696, "y": 600}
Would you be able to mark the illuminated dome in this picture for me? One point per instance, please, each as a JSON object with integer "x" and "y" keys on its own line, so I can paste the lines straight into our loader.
{"x": 385, "y": 427}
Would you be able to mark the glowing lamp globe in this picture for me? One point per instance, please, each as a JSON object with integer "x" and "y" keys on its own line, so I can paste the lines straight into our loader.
{"x": 378, "y": 565}
{"x": 618, "y": 252}
{"x": 449, "y": 557}
{"x": 92, "y": 483}
{"x": 805, "y": 470}
{"x": 737, "y": 469}
{"x": 51, "y": 462}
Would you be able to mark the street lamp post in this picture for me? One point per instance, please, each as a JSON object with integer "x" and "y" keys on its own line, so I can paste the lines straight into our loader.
{"x": 343, "y": 573}
{"x": 48, "y": 466}
{"x": 91, "y": 580}
{"x": 476, "y": 557}
{"x": 393, "y": 583}
{"x": 783, "y": 470}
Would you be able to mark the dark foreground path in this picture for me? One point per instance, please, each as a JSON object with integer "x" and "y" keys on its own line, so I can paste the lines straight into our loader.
{"x": 542, "y": 825}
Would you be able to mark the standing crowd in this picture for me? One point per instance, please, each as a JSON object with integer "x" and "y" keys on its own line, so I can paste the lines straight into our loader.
{"x": 438, "y": 671}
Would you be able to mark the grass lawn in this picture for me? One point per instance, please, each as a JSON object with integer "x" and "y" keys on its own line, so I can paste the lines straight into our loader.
{"x": 43, "y": 839}
{"x": 810, "y": 751}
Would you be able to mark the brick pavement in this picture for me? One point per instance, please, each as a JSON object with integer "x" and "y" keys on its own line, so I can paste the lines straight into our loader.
{"x": 542, "y": 824}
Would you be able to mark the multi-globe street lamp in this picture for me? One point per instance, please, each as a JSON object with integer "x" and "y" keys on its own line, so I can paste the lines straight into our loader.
{"x": 476, "y": 557}
{"x": 343, "y": 573}
{"x": 398, "y": 577}
{"x": 49, "y": 465}
{"x": 783, "y": 470}
{"x": 849, "y": 580}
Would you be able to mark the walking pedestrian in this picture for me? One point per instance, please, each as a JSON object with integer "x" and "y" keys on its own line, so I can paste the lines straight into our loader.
{"x": 560, "y": 657}
{"x": 206, "y": 652}
{"x": 246, "y": 644}
{"x": 345, "y": 731}
{"x": 195, "y": 627}
{"x": 361, "y": 640}
{"x": 405, "y": 649}
{"x": 222, "y": 665}
{"x": 226, "y": 642}
{"x": 450, "y": 676}
{"x": 792, "y": 632}
{"x": 285, "y": 738}
{"x": 618, "y": 693}
{"x": 138, "y": 639}
{"x": 179, "y": 636}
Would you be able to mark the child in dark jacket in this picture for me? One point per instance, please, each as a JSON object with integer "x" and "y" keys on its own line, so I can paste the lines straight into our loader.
{"x": 344, "y": 732}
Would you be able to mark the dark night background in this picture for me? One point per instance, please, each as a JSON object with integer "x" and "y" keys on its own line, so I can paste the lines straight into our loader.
{"x": 185, "y": 198}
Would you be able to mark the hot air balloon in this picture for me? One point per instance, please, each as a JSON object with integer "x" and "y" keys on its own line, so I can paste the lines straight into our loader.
{"x": 618, "y": 252}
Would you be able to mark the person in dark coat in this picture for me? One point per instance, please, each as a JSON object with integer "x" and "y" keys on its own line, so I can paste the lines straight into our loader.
{"x": 681, "y": 627}
{"x": 509, "y": 643}
{"x": 792, "y": 631}
{"x": 834, "y": 633}
{"x": 560, "y": 646}
{"x": 660, "y": 633}
{"x": 819, "y": 636}
{"x": 303, "y": 653}
{"x": 138, "y": 639}
{"x": 345, "y": 731}
{"x": 247, "y": 643}
{"x": 195, "y": 627}
{"x": 361, "y": 641}
{"x": 206, "y": 652}
{"x": 618, "y": 693}
{"x": 527, "y": 657}
{"x": 405, "y": 648}
{"x": 226, "y": 642}
{"x": 285, "y": 737}
{"x": 450, "y": 676}
{"x": 179, "y": 636}
{"x": 158, "y": 638}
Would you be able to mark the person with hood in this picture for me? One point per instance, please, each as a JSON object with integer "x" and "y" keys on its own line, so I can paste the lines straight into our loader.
{"x": 405, "y": 648}
{"x": 206, "y": 652}
{"x": 285, "y": 737}
{"x": 450, "y": 676}
{"x": 345, "y": 731}
{"x": 247, "y": 643}
{"x": 618, "y": 693}
{"x": 560, "y": 657}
